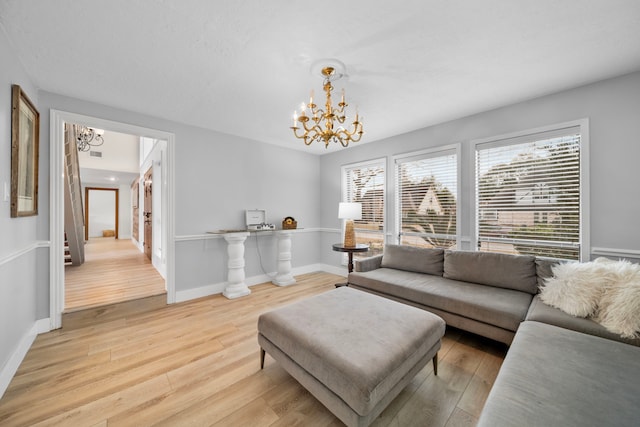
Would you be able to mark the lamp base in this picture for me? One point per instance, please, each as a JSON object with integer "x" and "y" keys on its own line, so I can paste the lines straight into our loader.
{"x": 349, "y": 235}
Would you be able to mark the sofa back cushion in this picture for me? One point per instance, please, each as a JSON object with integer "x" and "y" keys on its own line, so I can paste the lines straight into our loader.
{"x": 410, "y": 258}
{"x": 501, "y": 270}
{"x": 543, "y": 269}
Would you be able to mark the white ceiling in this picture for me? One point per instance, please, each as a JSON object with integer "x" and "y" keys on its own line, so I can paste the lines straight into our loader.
{"x": 118, "y": 164}
{"x": 106, "y": 178}
{"x": 242, "y": 67}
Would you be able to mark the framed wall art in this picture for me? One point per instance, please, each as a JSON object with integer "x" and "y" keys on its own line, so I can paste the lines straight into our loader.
{"x": 25, "y": 138}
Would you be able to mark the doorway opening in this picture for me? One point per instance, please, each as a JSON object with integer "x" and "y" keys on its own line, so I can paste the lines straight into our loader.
{"x": 163, "y": 251}
{"x": 101, "y": 212}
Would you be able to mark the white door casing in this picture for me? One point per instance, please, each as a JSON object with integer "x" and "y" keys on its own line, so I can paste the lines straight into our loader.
{"x": 56, "y": 226}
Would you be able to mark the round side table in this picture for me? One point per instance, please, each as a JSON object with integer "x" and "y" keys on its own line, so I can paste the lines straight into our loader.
{"x": 359, "y": 247}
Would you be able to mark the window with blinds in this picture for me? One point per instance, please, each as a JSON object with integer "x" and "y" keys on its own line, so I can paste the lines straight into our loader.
{"x": 426, "y": 203}
{"x": 528, "y": 195}
{"x": 365, "y": 183}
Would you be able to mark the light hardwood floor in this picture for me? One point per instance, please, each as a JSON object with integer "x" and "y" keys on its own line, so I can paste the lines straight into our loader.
{"x": 114, "y": 271}
{"x": 197, "y": 363}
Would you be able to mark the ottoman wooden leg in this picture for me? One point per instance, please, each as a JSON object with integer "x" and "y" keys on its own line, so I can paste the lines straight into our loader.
{"x": 262, "y": 358}
{"x": 435, "y": 364}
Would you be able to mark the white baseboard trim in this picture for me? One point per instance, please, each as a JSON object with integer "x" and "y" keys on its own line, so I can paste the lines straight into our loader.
{"x": 43, "y": 326}
{"x": 12, "y": 365}
{"x": 615, "y": 252}
{"x": 199, "y": 292}
{"x": 218, "y": 288}
{"x": 340, "y": 271}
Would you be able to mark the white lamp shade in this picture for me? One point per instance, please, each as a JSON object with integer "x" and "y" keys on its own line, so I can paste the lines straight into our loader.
{"x": 350, "y": 210}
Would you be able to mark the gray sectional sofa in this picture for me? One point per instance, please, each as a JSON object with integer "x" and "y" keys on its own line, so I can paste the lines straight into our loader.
{"x": 560, "y": 370}
{"x": 485, "y": 293}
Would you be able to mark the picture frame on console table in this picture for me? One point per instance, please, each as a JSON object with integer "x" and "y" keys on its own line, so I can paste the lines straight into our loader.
{"x": 25, "y": 140}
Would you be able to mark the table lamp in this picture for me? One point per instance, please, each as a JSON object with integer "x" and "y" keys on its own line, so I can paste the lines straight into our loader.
{"x": 349, "y": 212}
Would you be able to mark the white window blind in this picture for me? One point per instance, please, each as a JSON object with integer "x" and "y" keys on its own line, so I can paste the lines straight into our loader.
{"x": 427, "y": 199}
{"x": 528, "y": 195}
{"x": 365, "y": 183}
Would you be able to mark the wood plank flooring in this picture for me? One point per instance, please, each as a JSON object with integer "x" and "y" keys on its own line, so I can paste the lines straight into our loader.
{"x": 114, "y": 271}
{"x": 197, "y": 363}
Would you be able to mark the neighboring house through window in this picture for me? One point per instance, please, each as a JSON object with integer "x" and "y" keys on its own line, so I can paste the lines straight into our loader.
{"x": 529, "y": 193}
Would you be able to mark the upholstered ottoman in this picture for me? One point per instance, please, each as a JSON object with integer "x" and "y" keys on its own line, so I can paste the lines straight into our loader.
{"x": 352, "y": 350}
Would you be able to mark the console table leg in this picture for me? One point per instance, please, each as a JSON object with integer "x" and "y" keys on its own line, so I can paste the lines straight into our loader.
{"x": 235, "y": 249}
{"x": 284, "y": 276}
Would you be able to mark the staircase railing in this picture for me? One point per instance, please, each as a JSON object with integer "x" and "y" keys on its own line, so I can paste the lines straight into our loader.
{"x": 73, "y": 206}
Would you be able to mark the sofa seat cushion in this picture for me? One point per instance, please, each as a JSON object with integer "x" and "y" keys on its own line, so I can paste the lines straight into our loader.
{"x": 553, "y": 376}
{"x": 504, "y": 308}
{"x": 541, "y": 312}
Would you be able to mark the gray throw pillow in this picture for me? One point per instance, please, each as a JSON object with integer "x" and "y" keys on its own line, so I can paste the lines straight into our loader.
{"x": 411, "y": 258}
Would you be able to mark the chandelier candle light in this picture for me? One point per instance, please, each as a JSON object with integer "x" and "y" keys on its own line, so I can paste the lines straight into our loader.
{"x": 349, "y": 211}
{"x": 312, "y": 122}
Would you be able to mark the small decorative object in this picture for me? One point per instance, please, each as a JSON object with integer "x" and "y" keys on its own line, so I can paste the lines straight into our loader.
{"x": 25, "y": 136}
{"x": 349, "y": 211}
{"x": 289, "y": 223}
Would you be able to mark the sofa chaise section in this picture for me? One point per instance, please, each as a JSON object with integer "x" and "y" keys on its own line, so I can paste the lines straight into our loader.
{"x": 553, "y": 376}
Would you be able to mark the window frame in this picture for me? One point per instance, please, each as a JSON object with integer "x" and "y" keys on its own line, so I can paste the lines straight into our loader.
{"x": 532, "y": 135}
{"x": 377, "y": 162}
{"x": 443, "y": 150}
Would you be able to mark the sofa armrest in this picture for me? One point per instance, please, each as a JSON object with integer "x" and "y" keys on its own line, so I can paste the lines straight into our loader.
{"x": 368, "y": 264}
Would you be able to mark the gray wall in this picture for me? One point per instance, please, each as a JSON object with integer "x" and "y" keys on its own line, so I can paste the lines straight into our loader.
{"x": 217, "y": 177}
{"x": 613, "y": 108}
{"x": 20, "y": 238}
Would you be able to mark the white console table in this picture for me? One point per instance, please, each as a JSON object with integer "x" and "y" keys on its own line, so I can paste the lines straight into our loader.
{"x": 236, "y": 287}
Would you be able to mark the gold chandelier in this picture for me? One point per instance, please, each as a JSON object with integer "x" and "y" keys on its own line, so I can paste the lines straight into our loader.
{"x": 312, "y": 119}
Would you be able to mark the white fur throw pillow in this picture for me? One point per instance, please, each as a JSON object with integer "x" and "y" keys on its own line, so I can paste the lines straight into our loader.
{"x": 619, "y": 306}
{"x": 606, "y": 290}
{"x": 576, "y": 288}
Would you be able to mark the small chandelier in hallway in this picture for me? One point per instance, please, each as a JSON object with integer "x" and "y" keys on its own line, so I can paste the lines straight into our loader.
{"x": 88, "y": 137}
{"x": 331, "y": 70}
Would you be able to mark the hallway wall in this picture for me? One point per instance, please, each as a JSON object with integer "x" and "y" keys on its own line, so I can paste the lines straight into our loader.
{"x": 23, "y": 245}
